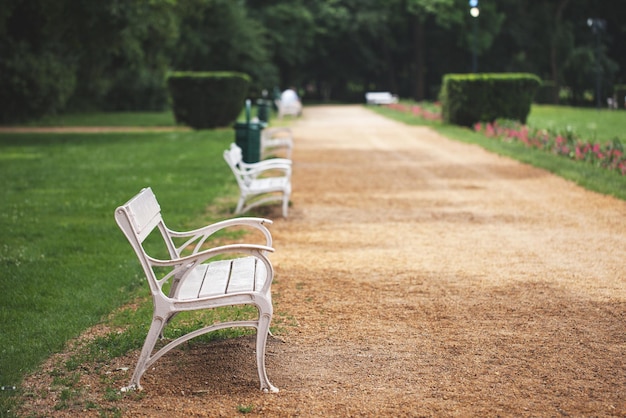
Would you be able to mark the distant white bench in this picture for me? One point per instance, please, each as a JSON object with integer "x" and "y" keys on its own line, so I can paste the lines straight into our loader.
{"x": 380, "y": 97}
{"x": 259, "y": 183}
{"x": 201, "y": 277}
{"x": 276, "y": 140}
{"x": 288, "y": 108}
{"x": 289, "y": 104}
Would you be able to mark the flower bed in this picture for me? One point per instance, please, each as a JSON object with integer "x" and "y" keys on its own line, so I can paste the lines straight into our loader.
{"x": 610, "y": 155}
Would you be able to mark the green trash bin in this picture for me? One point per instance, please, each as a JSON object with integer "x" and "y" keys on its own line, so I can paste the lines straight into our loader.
{"x": 248, "y": 137}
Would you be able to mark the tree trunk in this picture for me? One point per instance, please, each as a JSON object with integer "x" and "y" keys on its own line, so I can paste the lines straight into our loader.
{"x": 554, "y": 59}
{"x": 390, "y": 68}
{"x": 418, "y": 50}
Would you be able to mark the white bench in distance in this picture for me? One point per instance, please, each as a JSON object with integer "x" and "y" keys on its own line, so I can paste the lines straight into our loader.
{"x": 288, "y": 104}
{"x": 380, "y": 97}
{"x": 276, "y": 139}
{"x": 200, "y": 277}
{"x": 261, "y": 182}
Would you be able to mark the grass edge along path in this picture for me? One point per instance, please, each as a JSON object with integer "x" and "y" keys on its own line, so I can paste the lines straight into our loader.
{"x": 585, "y": 175}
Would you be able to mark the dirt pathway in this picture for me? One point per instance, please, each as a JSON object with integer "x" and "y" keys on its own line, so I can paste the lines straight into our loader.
{"x": 417, "y": 276}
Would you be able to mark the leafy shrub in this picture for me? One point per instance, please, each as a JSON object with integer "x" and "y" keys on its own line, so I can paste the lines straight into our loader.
{"x": 470, "y": 98}
{"x": 33, "y": 84}
{"x": 205, "y": 100}
{"x": 136, "y": 89}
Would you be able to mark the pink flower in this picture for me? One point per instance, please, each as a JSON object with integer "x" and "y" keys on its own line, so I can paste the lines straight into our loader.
{"x": 579, "y": 154}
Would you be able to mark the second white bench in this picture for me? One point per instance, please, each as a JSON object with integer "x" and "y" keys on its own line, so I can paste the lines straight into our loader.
{"x": 259, "y": 183}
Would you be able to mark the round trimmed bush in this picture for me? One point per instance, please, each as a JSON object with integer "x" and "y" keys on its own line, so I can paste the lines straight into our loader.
{"x": 204, "y": 100}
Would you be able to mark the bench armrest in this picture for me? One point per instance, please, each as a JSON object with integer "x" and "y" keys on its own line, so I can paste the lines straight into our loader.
{"x": 198, "y": 237}
{"x": 202, "y": 256}
{"x": 267, "y": 164}
{"x": 255, "y": 169}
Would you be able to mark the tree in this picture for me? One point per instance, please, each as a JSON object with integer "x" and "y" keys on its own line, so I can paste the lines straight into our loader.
{"x": 558, "y": 38}
{"x": 421, "y": 11}
{"x": 114, "y": 54}
{"x": 219, "y": 35}
{"x": 37, "y": 77}
{"x": 288, "y": 35}
{"x": 122, "y": 51}
{"x": 355, "y": 47}
{"x": 83, "y": 54}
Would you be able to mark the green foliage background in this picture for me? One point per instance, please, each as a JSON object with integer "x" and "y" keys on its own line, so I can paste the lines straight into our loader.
{"x": 114, "y": 55}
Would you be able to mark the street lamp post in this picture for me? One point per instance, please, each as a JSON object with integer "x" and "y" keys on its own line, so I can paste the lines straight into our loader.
{"x": 474, "y": 12}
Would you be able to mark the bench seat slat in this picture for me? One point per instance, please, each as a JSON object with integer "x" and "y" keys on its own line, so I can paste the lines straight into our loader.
{"x": 221, "y": 277}
{"x": 216, "y": 279}
{"x": 190, "y": 287}
{"x": 247, "y": 275}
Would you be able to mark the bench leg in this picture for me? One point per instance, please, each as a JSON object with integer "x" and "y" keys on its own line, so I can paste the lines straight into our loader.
{"x": 242, "y": 200}
{"x": 285, "y": 204}
{"x": 263, "y": 329}
{"x": 156, "y": 328}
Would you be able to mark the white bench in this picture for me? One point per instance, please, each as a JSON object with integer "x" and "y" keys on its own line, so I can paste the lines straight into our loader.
{"x": 288, "y": 108}
{"x": 276, "y": 140}
{"x": 380, "y": 97}
{"x": 289, "y": 103}
{"x": 200, "y": 277}
{"x": 259, "y": 183}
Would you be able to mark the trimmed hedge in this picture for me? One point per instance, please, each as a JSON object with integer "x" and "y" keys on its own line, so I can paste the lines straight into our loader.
{"x": 470, "y": 98}
{"x": 205, "y": 100}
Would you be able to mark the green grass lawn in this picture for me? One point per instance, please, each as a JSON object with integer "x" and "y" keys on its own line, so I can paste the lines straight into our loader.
{"x": 589, "y": 124}
{"x": 64, "y": 264}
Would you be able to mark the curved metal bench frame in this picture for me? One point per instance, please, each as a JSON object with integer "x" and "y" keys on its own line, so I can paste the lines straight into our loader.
{"x": 236, "y": 274}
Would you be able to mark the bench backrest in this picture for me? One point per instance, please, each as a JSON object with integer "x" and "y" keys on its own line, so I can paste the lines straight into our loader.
{"x": 233, "y": 157}
{"x": 143, "y": 212}
{"x": 137, "y": 218}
